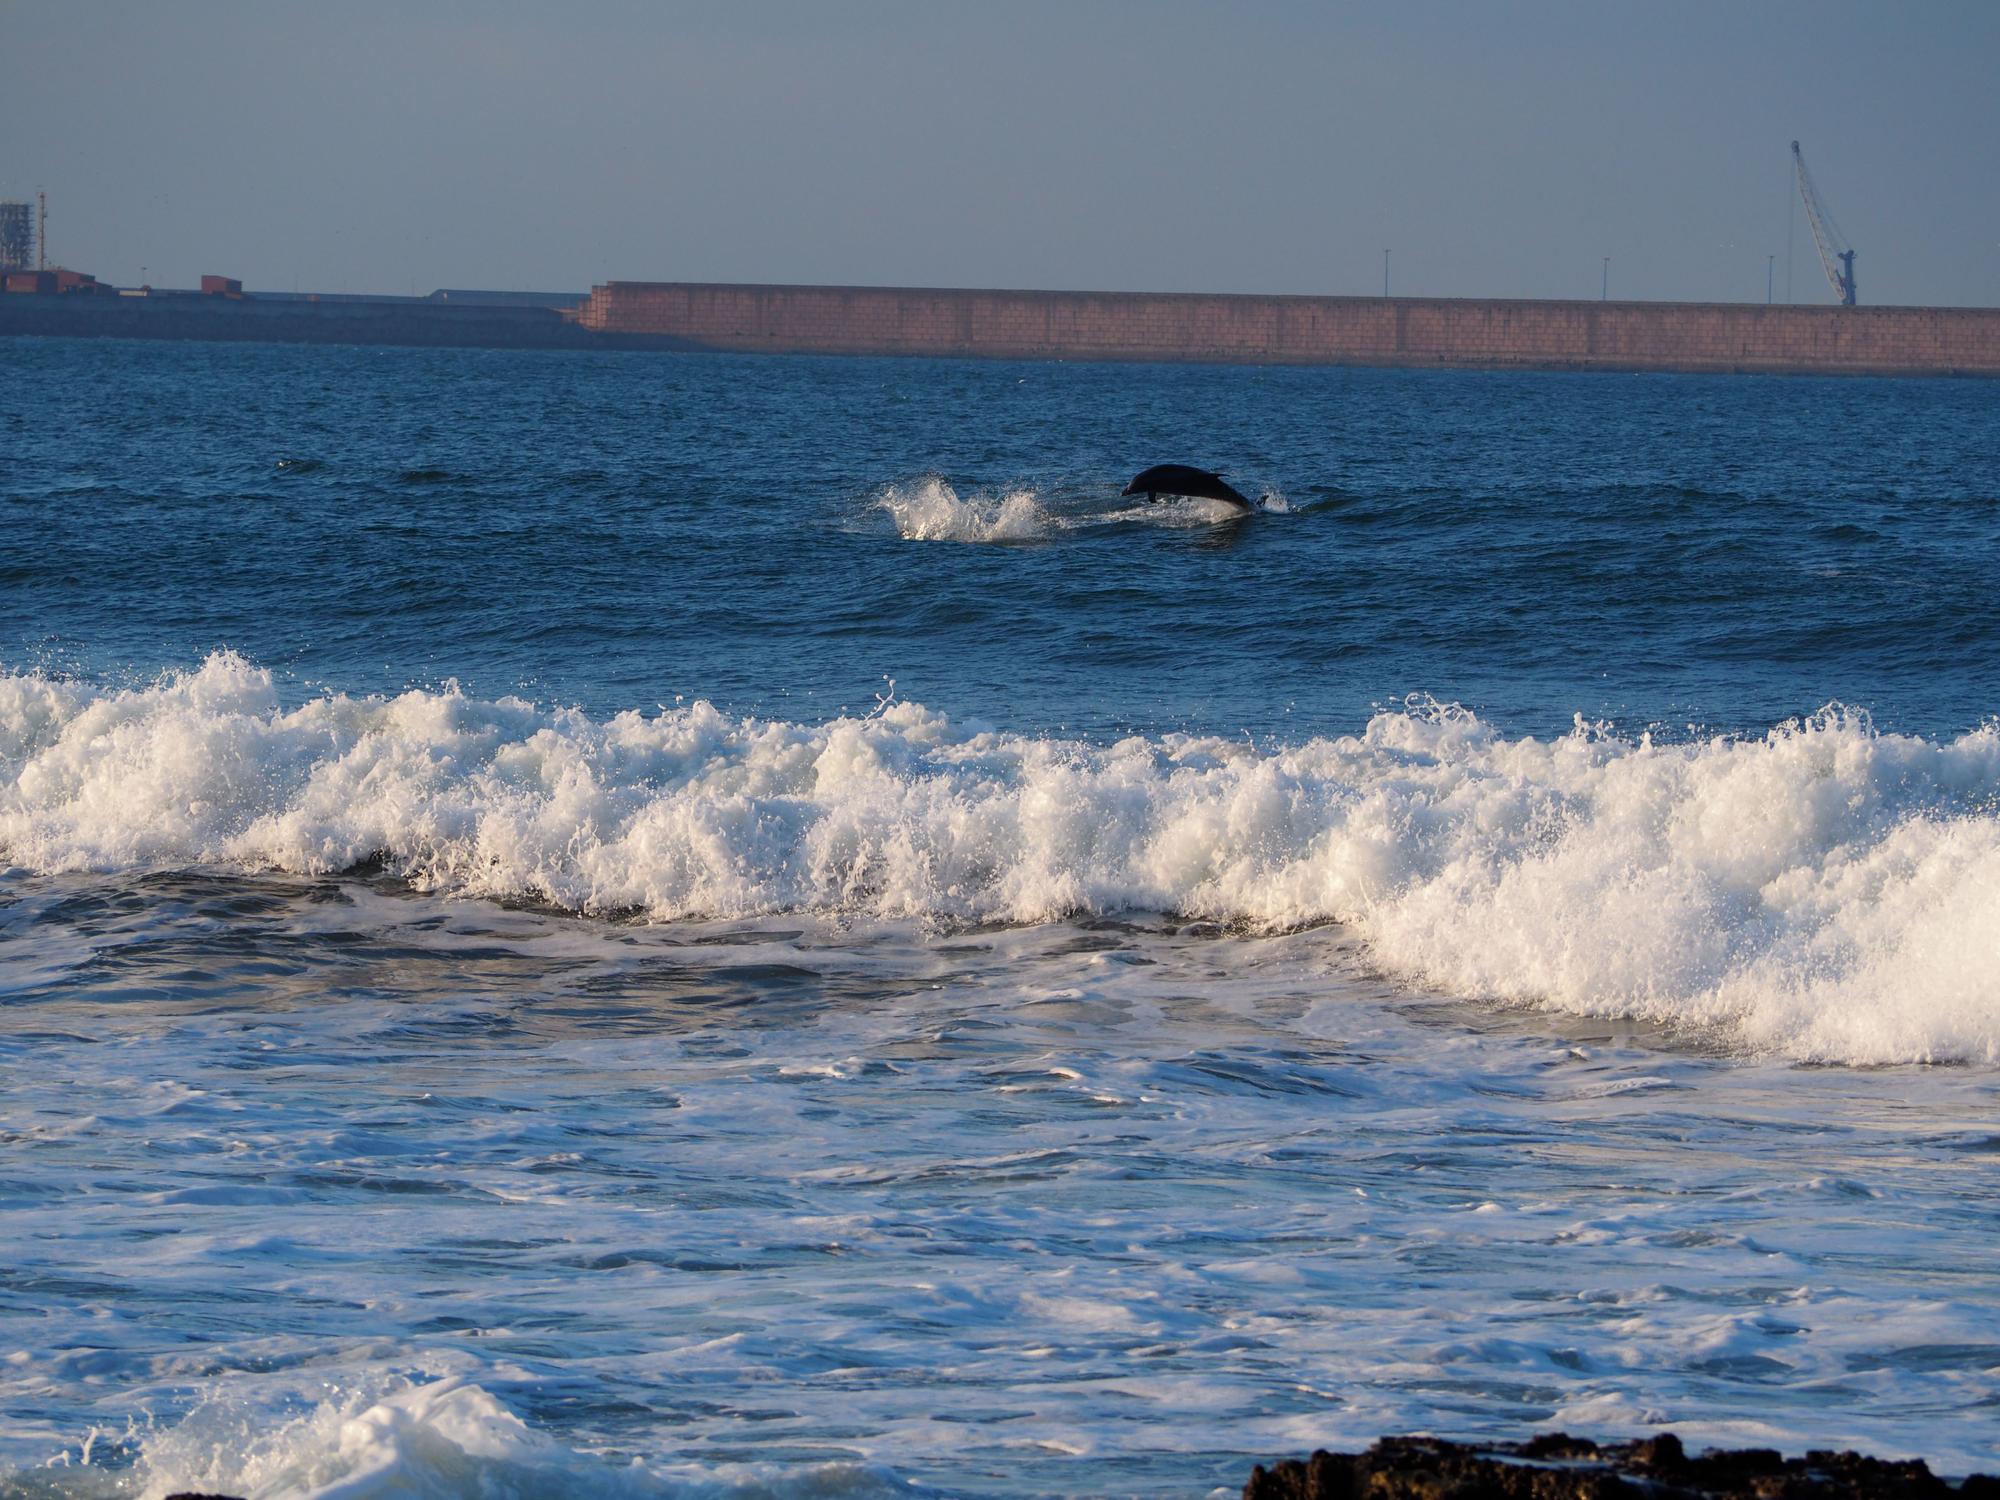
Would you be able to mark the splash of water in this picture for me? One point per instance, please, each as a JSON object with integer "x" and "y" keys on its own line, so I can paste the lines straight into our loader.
{"x": 930, "y": 510}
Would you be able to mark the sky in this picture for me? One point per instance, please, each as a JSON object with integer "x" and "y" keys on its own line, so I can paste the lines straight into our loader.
{"x": 1491, "y": 150}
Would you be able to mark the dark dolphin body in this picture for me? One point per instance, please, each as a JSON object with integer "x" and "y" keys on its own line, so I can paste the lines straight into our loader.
{"x": 1179, "y": 479}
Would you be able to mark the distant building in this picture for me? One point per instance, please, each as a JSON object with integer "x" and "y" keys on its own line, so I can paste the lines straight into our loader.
{"x": 17, "y": 239}
{"x": 56, "y": 281}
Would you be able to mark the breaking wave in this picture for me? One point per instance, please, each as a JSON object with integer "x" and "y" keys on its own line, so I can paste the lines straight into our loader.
{"x": 436, "y": 1438}
{"x": 1825, "y": 892}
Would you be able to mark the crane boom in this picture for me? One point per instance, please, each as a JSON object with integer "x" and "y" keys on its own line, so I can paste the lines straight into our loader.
{"x": 1832, "y": 246}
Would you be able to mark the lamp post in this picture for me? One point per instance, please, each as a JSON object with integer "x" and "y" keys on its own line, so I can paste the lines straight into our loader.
{"x": 1770, "y": 277}
{"x": 1385, "y": 273}
{"x": 1604, "y": 284}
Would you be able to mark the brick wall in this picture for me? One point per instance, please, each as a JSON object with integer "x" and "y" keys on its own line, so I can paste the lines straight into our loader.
{"x": 1693, "y": 336}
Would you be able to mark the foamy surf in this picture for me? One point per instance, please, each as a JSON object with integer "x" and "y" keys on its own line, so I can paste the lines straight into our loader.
{"x": 1825, "y": 892}
{"x": 443, "y": 1437}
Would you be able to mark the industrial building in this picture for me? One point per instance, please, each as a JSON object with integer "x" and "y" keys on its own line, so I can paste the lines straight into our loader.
{"x": 17, "y": 238}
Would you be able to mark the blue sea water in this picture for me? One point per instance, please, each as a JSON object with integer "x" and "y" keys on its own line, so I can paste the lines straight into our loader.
{"x": 662, "y": 923}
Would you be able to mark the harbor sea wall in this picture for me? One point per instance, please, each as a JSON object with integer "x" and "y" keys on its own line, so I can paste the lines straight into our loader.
{"x": 1463, "y": 333}
{"x": 1407, "y": 331}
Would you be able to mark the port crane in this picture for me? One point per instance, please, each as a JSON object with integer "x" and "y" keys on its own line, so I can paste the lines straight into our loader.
{"x": 1833, "y": 247}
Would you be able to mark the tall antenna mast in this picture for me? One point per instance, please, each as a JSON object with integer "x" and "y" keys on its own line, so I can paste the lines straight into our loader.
{"x": 1832, "y": 244}
{"x": 42, "y": 230}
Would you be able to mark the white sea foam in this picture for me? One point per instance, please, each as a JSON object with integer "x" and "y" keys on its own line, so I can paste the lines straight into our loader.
{"x": 439, "y": 1437}
{"x": 1824, "y": 892}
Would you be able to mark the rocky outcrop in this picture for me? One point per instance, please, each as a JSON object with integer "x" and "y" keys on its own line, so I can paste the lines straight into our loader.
{"x": 1556, "y": 1466}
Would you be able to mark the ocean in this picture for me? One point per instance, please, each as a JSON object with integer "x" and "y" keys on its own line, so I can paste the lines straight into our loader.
{"x": 646, "y": 925}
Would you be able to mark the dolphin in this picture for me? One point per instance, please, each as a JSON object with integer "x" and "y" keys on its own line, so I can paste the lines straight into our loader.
{"x": 1179, "y": 479}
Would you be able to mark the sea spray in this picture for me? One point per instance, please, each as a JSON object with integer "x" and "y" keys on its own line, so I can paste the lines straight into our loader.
{"x": 931, "y": 510}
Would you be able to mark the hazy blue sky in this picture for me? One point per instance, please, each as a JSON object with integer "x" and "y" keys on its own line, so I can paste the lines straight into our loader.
{"x": 1497, "y": 150}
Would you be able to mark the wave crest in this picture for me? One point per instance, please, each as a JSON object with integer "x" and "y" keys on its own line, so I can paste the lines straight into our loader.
{"x": 1827, "y": 891}
{"x": 424, "y": 1437}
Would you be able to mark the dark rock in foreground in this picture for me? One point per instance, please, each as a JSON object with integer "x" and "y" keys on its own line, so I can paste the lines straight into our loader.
{"x": 1556, "y": 1466}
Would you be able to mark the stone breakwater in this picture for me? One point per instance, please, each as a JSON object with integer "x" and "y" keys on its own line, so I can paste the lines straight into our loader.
{"x": 1145, "y": 327}
{"x": 1402, "y": 331}
{"x": 1556, "y": 1466}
